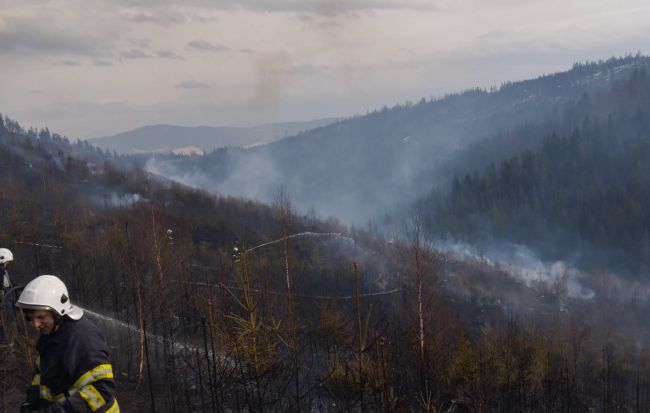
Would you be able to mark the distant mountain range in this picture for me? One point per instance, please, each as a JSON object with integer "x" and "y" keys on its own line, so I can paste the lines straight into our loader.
{"x": 185, "y": 140}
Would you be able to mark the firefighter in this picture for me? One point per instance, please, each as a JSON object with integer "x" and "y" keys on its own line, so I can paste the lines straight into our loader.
{"x": 5, "y": 258}
{"x": 73, "y": 372}
{"x": 6, "y": 300}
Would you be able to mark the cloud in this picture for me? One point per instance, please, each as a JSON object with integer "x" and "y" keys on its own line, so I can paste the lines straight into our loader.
{"x": 143, "y": 43}
{"x": 305, "y": 18}
{"x": 33, "y": 35}
{"x": 165, "y": 15}
{"x": 134, "y": 54}
{"x": 67, "y": 63}
{"x": 163, "y": 18}
{"x": 206, "y": 46}
{"x": 168, "y": 54}
{"x": 312, "y": 70}
{"x": 101, "y": 62}
{"x": 327, "y": 7}
{"x": 189, "y": 84}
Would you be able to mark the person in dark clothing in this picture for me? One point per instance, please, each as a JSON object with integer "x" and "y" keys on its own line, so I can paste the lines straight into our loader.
{"x": 7, "y": 297}
{"x": 73, "y": 371}
{"x": 5, "y": 282}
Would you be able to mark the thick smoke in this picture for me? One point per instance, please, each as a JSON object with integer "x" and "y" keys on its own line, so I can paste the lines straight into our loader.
{"x": 522, "y": 264}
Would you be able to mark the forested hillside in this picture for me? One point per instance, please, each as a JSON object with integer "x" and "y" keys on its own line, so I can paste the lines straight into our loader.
{"x": 375, "y": 163}
{"x": 581, "y": 192}
{"x": 324, "y": 320}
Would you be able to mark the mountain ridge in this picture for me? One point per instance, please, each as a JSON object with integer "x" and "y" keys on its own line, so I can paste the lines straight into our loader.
{"x": 167, "y": 138}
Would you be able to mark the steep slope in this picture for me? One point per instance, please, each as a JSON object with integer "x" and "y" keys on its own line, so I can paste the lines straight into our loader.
{"x": 361, "y": 168}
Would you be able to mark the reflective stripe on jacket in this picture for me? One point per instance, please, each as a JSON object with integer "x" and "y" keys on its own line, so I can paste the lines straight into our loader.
{"x": 73, "y": 369}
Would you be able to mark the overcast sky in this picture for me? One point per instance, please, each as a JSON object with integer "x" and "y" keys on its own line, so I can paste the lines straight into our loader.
{"x": 90, "y": 68}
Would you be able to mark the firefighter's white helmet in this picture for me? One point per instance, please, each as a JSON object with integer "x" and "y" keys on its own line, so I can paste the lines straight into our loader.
{"x": 48, "y": 292}
{"x": 5, "y": 256}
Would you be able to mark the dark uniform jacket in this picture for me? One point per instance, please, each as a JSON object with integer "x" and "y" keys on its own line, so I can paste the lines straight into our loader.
{"x": 73, "y": 370}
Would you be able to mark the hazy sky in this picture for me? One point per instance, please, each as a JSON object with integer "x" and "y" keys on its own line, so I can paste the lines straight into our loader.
{"x": 89, "y": 68}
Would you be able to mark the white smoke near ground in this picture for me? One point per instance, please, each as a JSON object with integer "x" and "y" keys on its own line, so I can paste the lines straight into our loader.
{"x": 513, "y": 278}
{"x": 254, "y": 176}
{"x": 115, "y": 200}
{"x": 324, "y": 180}
{"x": 123, "y": 200}
{"x": 522, "y": 264}
{"x": 192, "y": 179}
